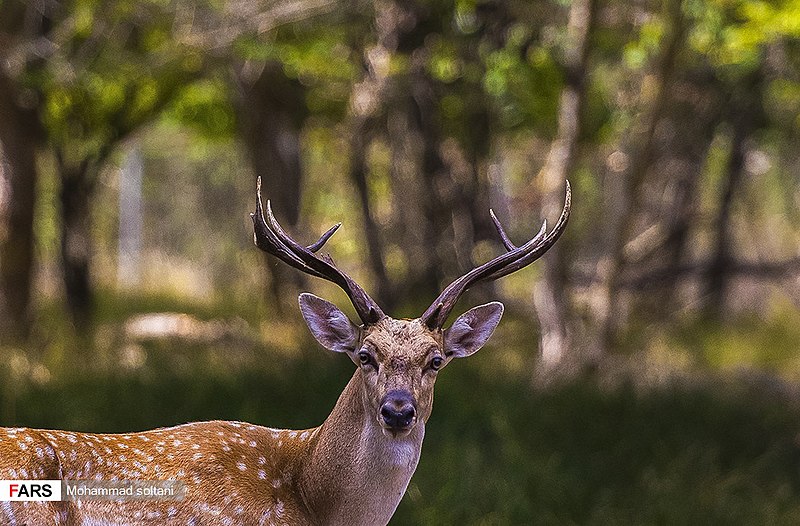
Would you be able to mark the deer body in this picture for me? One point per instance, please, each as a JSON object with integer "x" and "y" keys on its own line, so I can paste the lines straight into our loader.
{"x": 235, "y": 473}
{"x": 352, "y": 470}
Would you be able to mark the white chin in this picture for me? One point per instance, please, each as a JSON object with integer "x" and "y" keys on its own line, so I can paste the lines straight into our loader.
{"x": 396, "y": 433}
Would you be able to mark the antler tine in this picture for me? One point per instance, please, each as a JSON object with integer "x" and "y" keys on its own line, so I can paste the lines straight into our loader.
{"x": 511, "y": 261}
{"x": 503, "y": 236}
{"x": 272, "y": 238}
{"x": 367, "y": 309}
{"x": 266, "y": 240}
{"x": 546, "y": 243}
{"x": 437, "y": 313}
{"x": 323, "y": 238}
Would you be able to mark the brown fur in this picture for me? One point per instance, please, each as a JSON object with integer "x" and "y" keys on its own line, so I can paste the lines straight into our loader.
{"x": 348, "y": 471}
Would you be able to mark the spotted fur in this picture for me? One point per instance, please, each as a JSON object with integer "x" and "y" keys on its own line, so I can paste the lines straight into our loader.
{"x": 352, "y": 470}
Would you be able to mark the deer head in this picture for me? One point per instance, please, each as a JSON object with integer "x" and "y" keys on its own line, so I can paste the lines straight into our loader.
{"x": 399, "y": 358}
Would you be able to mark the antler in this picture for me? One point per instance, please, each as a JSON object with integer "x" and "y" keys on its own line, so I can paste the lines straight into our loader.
{"x": 272, "y": 238}
{"x": 514, "y": 259}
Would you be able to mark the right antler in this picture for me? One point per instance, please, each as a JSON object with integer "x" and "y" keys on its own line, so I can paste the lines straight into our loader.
{"x": 514, "y": 259}
{"x": 272, "y": 238}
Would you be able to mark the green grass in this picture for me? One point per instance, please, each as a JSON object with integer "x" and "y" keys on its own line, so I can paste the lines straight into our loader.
{"x": 578, "y": 454}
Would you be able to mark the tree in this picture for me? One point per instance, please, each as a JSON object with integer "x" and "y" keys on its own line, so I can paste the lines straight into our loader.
{"x": 20, "y": 136}
{"x": 104, "y": 81}
{"x": 556, "y": 318}
{"x": 96, "y": 74}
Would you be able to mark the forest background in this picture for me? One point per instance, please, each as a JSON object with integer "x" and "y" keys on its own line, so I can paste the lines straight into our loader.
{"x": 647, "y": 368}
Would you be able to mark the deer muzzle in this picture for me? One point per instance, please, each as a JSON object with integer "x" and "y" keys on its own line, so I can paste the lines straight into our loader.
{"x": 398, "y": 412}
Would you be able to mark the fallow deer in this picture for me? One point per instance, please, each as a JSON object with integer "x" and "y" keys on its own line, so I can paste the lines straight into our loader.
{"x": 351, "y": 470}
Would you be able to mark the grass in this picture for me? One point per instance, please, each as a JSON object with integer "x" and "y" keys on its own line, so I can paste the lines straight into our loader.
{"x": 707, "y": 449}
{"x": 581, "y": 454}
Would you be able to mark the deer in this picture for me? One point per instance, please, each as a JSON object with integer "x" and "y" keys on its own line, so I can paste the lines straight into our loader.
{"x": 352, "y": 470}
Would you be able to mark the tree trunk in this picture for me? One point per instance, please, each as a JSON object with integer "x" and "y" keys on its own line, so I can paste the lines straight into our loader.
{"x": 550, "y": 292}
{"x": 680, "y": 161}
{"x": 77, "y": 189}
{"x": 384, "y": 291}
{"x": 746, "y": 115}
{"x": 439, "y": 191}
{"x": 271, "y": 111}
{"x": 620, "y": 223}
{"x": 19, "y": 137}
{"x": 436, "y": 178}
{"x": 368, "y": 106}
{"x": 418, "y": 175}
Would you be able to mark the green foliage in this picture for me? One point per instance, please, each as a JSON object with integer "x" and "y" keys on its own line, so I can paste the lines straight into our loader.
{"x": 760, "y": 343}
{"x": 783, "y": 103}
{"x": 640, "y": 53}
{"x": 732, "y": 33}
{"x": 525, "y": 83}
{"x": 205, "y": 107}
{"x": 109, "y": 68}
{"x": 319, "y": 56}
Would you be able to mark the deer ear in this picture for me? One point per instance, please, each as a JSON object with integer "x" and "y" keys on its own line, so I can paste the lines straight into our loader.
{"x": 330, "y": 326}
{"x": 472, "y": 329}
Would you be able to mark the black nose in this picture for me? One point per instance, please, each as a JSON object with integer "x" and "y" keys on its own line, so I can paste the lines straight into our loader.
{"x": 398, "y": 409}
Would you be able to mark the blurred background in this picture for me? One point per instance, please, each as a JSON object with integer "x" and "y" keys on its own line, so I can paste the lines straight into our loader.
{"x": 647, "y": 369}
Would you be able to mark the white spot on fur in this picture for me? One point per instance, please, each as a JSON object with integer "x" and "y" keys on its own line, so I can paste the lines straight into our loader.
{"x": 9, "y": 512}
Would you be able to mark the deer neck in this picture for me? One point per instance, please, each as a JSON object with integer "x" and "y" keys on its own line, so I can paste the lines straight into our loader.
{"x": 355, "y": 474}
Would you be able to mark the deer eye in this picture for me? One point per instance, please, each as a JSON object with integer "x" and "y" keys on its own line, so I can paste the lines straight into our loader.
{"x": 436, "y": 363}
{"x": 364, "y": 358}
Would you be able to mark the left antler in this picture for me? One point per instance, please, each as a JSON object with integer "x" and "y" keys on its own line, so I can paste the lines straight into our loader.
{"x": 272, "y": 238}
{"x": 514, "y": 259}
